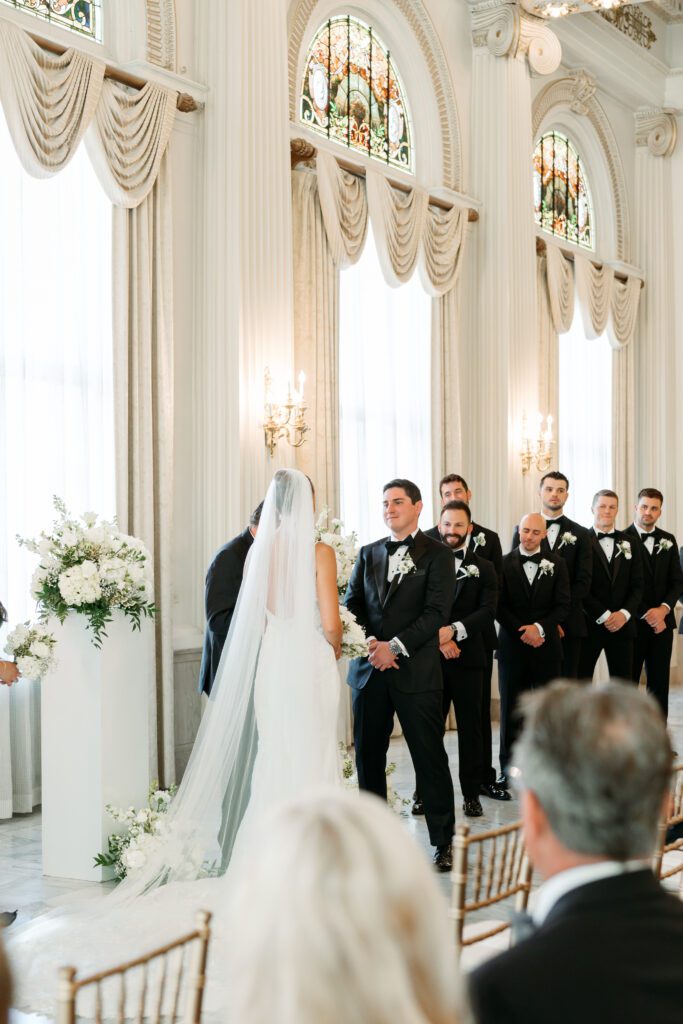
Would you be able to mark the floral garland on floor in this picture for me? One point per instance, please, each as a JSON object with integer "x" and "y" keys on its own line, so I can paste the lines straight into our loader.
{"x": 348, "y": 769}
{"x": 128, "y": 851}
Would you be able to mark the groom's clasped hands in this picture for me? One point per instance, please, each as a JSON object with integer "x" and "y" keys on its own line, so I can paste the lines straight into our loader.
{"x": 380, "y": 655}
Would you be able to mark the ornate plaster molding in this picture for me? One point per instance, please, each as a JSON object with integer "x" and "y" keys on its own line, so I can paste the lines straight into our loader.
{"x": 507, "y": 31}
{"x": 561, "y": 94}
{"x": 583, "y": 90}
{"x": 656, "y": 128}
{"x": 415, "y": 16}
{"x": 161, "y": 33}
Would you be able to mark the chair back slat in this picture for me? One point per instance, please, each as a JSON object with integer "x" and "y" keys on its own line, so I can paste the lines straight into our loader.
{"x": 500, "y": 859}
{"x": 153, "y": 986}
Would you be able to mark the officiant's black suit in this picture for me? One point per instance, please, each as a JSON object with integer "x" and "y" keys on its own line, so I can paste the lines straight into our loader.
{"x": 492, "y": 551}
{"x": 662, "y": 584}
{"x": 615, "y": 585}
{"x": 410, "y": 608}
{"x": 611, "y": 950}
{"x": 521, "y": 667}
{"x": 223, "y": 582}
{"x": 578, "y": 558}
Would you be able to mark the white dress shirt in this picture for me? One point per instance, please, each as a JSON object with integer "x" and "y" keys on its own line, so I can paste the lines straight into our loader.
{"x": 553, "y": 529}
{"x": 647, "y": 537}
{"x": 459, "y": 631}
{"x": 573, "y": 878}
{"x": 530, "y": 570}
{"x": 391, "y": 572}
{"x": 607, "y": 545}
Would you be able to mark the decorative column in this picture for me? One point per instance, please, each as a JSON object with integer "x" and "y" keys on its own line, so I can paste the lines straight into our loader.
{"x": 244, "y": 268}
{"x": 657, "y": 407}
{"x": 502, "y": 366}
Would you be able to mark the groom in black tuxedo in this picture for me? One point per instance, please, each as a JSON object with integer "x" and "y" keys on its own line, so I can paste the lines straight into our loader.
{"x": 400, "y": 591}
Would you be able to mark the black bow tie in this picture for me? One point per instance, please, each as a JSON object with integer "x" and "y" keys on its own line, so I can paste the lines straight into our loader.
{"x": 601, "y": 535}
{"x": 392, "y": 546}
{"x": 460, "y": 555}
{"x": 553, "y": 522}
{"x": 536, "y": 559}
{"x": 646, "y": 536}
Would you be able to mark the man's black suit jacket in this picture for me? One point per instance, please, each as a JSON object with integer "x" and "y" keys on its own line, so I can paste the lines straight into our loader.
{"x": 412, "y": 608}
{"x": 680, "y": 627}
{"x": 662, "y": 576}
{"x": 617, "y": 584}
{"x": 223, "y": 582}
{"x": 609, "y": 951}
{"x": 546, "y": 601}
{"x": 578, "y": 558}
{"x": 474, "y": 605}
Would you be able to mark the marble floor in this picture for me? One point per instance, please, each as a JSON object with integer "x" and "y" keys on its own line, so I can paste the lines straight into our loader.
{"x": 24, "y": 888}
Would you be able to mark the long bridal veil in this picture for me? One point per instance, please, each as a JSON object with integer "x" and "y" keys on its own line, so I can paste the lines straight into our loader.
{"x": 277, "y": 599}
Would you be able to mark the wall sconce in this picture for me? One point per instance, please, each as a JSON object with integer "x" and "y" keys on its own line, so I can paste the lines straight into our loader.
{"x": 537, "y": 444}
{"x": 286, "y": 419}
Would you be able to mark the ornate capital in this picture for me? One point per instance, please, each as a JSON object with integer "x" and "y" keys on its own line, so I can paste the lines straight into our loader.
{"x": 507, "y": 31}
{"x": 582, "y": 91}
{"x": 657, "y": 129}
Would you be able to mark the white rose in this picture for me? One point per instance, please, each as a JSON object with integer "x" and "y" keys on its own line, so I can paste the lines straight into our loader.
{"x": 29, "y": 667}
{"x": 16, "y": 638}
{"x": 95, "y": 535}
{"x": 133, "y": 859}
{"x": 39, "y": 649}
{"x": 45, "y": 546}
{"x": 70, "y": 538}
{"x": 89, "y": 518}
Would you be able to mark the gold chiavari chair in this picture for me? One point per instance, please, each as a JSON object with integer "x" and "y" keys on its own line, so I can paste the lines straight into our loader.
{"x": 489, "y": 867}
{"x": 673, "y": 817}
{"x": 162, "y": 992}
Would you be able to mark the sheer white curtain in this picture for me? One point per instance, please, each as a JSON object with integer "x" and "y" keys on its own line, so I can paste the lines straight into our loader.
{"x": 56, "y": 399}
{"x": 585, "y": 386}
{"x": 384, "y": 389}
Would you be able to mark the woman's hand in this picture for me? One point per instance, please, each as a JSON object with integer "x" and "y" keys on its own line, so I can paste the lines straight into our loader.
{"x": 9, "y": 673}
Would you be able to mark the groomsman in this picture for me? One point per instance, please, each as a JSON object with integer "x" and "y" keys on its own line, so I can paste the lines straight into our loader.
{"x": 572, "y": 542}
{"x": 615, "y": 594}
{"x": 662, "y": 585}
{"x": 400, "y": 591}
{"x": 535, "y": 599}
{"x": 486, "y": 544}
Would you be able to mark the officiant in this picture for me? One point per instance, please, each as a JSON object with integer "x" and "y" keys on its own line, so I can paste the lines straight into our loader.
{"x": 223, "y": 582}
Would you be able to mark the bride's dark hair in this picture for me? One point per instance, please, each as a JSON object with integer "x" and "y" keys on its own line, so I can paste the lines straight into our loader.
{"x": 3, "y": 613}
{"x": 282, "y": 481}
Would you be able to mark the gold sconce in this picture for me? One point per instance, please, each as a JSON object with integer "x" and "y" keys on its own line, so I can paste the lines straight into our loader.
{"x": 537, "y": 444}
{"x": 286, "y": 419}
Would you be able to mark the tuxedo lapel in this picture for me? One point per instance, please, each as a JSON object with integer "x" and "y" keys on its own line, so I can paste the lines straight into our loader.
{"x": 415, "y": 554}
{"x": 381, "y": 567}
{"x": 601, "y": 556}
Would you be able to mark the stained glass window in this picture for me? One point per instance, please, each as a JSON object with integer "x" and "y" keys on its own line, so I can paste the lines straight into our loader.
{"x": 353, "y": 94}
{"x": 562, "y": 200}
{"x": 82, "y": 16}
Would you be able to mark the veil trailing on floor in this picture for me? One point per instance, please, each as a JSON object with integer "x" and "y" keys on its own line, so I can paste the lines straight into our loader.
{"x": 279, "y": 593}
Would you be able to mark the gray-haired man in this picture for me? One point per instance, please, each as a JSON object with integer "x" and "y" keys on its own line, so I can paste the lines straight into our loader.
{"x": 595, "y": 766}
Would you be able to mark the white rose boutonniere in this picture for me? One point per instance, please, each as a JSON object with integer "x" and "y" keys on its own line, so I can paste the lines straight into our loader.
{"x": 624, "y": 548}
{"x": 480, "y": 540}
{"x": 546, "y": 568}
{"x": 404, "y": 566}
{"x": 470, "y": 572}
{"x": 567, "y": 538}
{"x": 663, "y": 545}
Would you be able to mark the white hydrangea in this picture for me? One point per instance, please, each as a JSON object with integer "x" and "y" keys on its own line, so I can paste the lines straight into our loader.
{"x": 80, "y": 584}
{"x": 16, "y": 638}
{"x": 30, "y": 668}
{"x": 39, "y": 649}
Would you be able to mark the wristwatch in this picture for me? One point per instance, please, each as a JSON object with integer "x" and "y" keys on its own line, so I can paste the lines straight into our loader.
{"x": 395, "y": 647}
{"x": 454, "y": 627}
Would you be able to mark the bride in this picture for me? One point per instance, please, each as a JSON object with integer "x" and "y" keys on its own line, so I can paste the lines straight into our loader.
{"x": 268, "y": 735}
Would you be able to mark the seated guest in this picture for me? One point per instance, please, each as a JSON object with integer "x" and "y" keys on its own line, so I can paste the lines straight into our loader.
{"x": 5, "y": 987}
{"x": 340, "y": 920}
{"x": 594, "y": 772}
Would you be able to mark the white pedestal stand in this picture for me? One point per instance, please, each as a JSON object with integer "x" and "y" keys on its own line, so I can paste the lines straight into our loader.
{"x": 95, "y": 740}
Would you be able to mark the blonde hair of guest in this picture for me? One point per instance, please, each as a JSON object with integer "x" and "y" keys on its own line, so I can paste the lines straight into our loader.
{"x": 338, "y": 919}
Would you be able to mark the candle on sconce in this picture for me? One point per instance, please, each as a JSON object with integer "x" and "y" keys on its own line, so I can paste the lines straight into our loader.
{"x": 302, "y": 380}
{"x": 548, "y": 436}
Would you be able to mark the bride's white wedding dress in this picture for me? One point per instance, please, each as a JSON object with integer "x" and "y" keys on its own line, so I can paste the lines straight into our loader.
{"x": 269, "y": 735}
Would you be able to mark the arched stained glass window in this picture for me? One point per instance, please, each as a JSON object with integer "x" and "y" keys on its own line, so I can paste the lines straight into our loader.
{"x": 82, "y": 16}
{"x": 353, "y": 94}
{"x": 562, "y": 200}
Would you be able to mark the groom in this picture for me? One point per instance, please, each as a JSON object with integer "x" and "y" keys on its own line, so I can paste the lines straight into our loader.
{"x": 400, "y": 592}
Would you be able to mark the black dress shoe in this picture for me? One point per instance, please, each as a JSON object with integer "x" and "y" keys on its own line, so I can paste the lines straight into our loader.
{"x": 472, "y": 807}
{"x": 7, "y": 918}
{"x": 495, "y": 791}
{"x": 418, "y": 807}
{"x": 502, "y": 781}
{"x": 443, "y": 858}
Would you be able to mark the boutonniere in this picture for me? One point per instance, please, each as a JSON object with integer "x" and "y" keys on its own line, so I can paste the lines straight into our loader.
{"x": 663, "y": 545}
{"x": 480, "y": 540}
{"x": 567, "y": 538}
{"x": 624, "y": 548}
{"x": 469, "y": 571}
{"x": 545, "y": 567}
{"x": 404, "y": 566}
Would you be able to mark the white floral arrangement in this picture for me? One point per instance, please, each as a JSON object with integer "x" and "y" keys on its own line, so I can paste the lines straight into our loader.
{"x": 567, "y": 538}
{"x": 348, "y": 768}
{"x": 404, "y": 566}
{"x": 480, "y": 540}
{"x": 89, "y": 566}
{"x": 345, "y": 546}
{"x": 470, "y": 571}
{"x": 624, "y": 548}
{"x": 354, "y": 643}
{"x": 32, "y": 648}
{"x": 546, "y": 568}
{"x": 145, "y": 831}
{"x": 663, "y": 545}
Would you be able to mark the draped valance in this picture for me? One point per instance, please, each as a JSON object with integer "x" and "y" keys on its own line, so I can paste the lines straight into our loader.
{"x": 409, "y": 233}
{"x": 52, "y": 102}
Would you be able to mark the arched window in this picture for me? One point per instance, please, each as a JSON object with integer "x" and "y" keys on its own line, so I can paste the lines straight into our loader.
{"x": 81, "y": 16}
{"x": 562, "y": 200}
{"x": 352, "y": 93}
